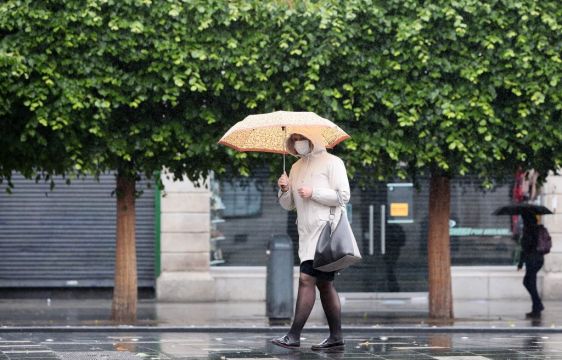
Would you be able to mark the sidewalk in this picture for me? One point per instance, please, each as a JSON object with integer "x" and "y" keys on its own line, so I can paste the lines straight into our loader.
{"x": 400, "y": 313}
{"x": 384, "y": 329}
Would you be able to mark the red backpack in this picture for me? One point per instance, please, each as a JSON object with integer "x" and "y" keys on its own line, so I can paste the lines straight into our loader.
{"x": 544, "y": 241}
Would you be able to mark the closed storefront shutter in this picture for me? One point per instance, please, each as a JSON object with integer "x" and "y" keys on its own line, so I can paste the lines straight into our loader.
{"x": 66, "y": 237}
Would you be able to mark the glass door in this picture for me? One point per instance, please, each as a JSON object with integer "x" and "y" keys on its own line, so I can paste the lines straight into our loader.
{"x": 393, "y": 245}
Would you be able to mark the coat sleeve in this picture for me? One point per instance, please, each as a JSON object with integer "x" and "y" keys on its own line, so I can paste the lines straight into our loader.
{"x": 339, "y": 183}
{"x": 286, "y": 198}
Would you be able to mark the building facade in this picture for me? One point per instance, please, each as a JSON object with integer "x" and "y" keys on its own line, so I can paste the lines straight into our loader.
{"x": 209, "y": 243}
{"x": 243, "y": 217}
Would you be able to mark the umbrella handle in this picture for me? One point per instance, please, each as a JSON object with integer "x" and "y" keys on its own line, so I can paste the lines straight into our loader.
{"x": 284, "y": 141}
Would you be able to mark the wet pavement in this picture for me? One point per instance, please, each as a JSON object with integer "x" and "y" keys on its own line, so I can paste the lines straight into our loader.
{"x": 373, "y": 329}
{"x": 223, "y": 346}
{"x": 410, "y": 312}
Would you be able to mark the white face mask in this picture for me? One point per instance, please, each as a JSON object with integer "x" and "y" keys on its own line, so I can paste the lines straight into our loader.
{"x": 302, "y": 147}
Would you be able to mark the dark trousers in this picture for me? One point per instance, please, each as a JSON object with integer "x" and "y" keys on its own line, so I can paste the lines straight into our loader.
{"x": 532, "y": 266}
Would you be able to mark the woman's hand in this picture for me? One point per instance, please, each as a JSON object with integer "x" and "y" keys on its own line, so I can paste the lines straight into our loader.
{"x": 305, "y": 192}
{"x": 283, "y": 182}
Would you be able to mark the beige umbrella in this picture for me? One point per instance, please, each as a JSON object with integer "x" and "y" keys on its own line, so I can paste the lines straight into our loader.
{"x": 268, "y": 132}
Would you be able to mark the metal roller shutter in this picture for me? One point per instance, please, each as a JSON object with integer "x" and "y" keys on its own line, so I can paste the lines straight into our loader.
{"x": 66, "y": 237}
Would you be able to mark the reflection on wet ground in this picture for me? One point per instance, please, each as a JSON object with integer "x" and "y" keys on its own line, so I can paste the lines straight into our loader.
{"x": 224, "y": 346}
{"x": 88, "y": 312}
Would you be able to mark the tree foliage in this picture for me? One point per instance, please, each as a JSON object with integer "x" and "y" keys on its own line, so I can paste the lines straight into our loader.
{"x": 128, "y": 85}
{"x": 458, "y": 87}
{"x": 462, "y": 86}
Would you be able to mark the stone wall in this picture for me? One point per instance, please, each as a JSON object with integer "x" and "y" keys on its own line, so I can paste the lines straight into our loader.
{"x": 185, "y": 226}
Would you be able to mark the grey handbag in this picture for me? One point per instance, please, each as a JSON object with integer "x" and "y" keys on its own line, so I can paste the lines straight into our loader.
{"x": 338, "y": 249}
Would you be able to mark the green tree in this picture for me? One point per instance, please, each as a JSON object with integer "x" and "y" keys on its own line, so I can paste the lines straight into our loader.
{"x": 127, "y": 86}
{"x": 442, "y": 89}
{"x": 449, "y": 89}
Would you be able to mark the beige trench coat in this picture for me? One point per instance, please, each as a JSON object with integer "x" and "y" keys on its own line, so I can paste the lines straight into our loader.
{"x": 326, "y": 175}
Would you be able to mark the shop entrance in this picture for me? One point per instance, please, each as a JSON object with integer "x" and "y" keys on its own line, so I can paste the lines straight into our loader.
{"x": 389, "y": 221}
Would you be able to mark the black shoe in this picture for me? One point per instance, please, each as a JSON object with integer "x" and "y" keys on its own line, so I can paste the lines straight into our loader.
{"x": 329, "y": 345}
{"x": 533, "y": 315}
{"x": 285, "y": 342}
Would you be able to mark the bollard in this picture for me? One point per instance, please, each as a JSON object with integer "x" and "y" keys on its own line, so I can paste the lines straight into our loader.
{"x": 279, "y": 282}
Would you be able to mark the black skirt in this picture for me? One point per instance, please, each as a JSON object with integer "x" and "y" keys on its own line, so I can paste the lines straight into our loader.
{"x": 306, "y": 268}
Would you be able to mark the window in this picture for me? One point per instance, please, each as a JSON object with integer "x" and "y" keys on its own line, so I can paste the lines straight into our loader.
{"x": 241, "y": 198}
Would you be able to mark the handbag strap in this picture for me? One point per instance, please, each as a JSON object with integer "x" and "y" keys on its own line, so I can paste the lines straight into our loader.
{"x": 333, "y": 208}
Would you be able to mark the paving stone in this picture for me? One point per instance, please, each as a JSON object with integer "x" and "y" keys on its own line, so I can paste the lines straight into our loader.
{"x": 97, "y": 355}
{"x": 257, "y": 346}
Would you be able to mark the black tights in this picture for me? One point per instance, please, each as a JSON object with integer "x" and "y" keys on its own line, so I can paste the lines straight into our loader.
{"x": 532, "y": 267}
{"x": 305, "y": 302}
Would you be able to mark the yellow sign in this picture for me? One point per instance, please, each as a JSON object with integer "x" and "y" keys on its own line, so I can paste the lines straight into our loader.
{"x": 399, "y": 209}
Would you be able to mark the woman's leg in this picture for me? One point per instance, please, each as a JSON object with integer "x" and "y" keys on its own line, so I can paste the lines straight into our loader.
{"x": 332, "y": 308}
{"x": 530, "y": 282}
{"x": 305, "y": 302}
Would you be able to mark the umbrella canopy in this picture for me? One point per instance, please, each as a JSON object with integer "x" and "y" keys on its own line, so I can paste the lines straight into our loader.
{"x": 523, "y": 208}
{"x": 268, "y": 132}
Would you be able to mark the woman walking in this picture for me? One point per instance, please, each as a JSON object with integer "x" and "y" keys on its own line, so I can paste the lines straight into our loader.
{"x": 317, "y": 182}
{"x": 533, "y": 261}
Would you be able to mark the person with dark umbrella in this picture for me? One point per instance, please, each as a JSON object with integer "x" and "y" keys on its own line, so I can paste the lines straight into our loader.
{"x": 533, "y": 261}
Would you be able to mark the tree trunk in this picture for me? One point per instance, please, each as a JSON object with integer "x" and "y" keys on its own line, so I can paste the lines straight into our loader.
{"x": 124, "y": 308}
{"x": 439, "y": 249}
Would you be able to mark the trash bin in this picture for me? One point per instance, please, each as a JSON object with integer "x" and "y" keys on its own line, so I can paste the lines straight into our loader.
{"x": 279, "y": 282}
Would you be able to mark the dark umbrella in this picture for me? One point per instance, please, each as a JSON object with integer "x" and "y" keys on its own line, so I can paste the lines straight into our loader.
{"x": 523, "y": 208}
